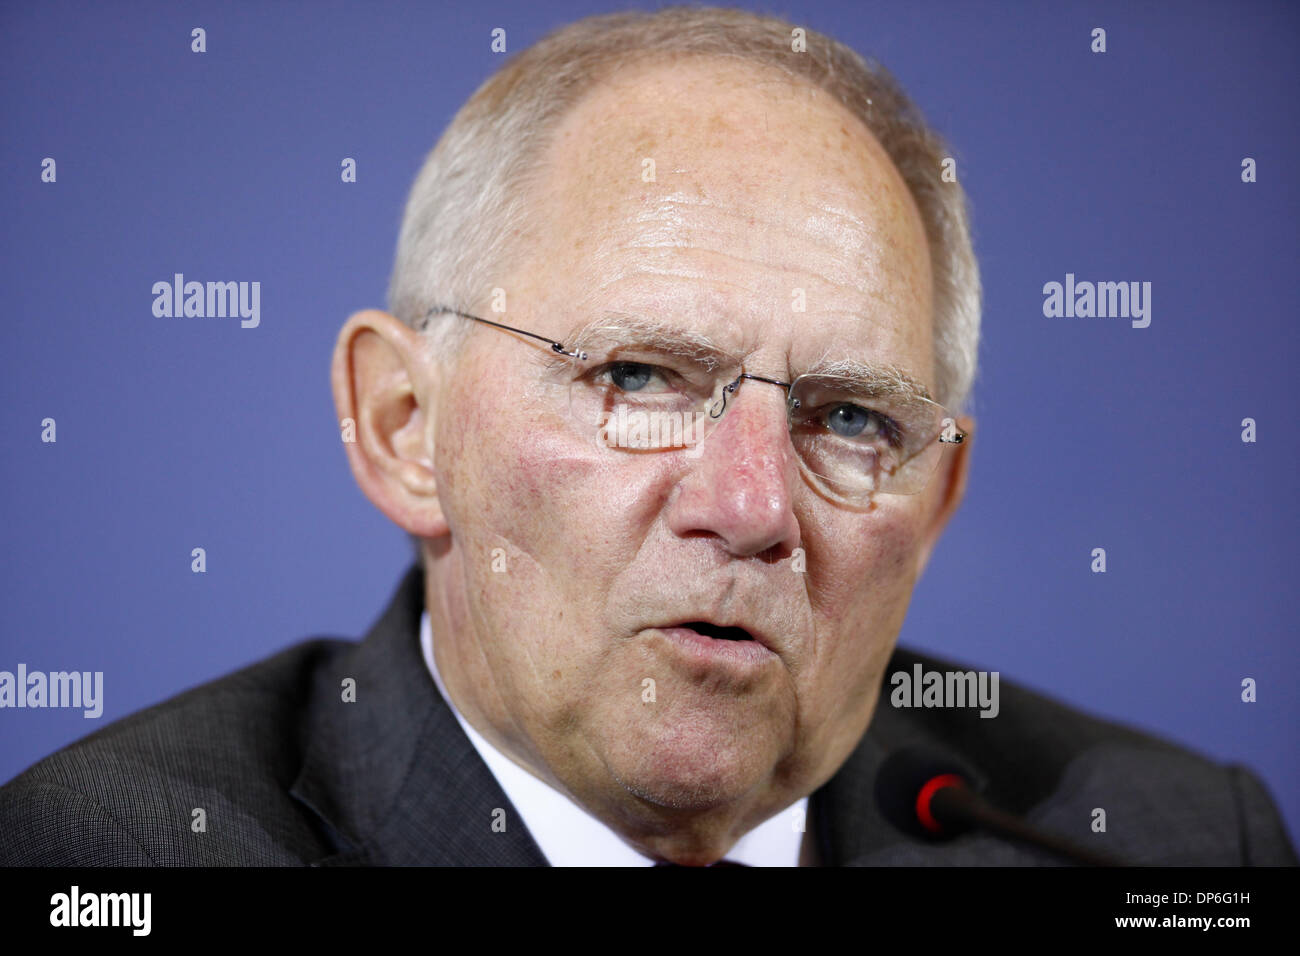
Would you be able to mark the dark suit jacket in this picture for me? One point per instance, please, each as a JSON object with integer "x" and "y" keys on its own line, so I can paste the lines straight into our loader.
{"x": 289, "y": 774}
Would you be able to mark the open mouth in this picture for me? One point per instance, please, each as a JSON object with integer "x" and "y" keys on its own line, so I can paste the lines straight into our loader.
{"x": 719, "y": 633}
{"x": 715, "y": 645}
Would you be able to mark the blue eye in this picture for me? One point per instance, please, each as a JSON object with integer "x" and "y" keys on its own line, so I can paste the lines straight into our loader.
{"x": 630, "y": 376}
{"x": 854, "y": 421}
{"x": 848, "y": 420}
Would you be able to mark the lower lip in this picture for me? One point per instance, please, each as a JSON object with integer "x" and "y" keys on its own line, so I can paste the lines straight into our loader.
{"x": 699, "y": 645}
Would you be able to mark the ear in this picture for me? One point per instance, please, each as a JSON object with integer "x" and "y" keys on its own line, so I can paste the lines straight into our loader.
{"x": 948, "y": 488}
{"x": 386, "y": 389}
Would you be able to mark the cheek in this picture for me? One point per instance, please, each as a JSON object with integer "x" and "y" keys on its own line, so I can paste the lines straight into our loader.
{"x": 531, "y": 511}
{"x": 860, "y": 587}
{"x": 862, "y": 569}
{"x": 502, "y": 466}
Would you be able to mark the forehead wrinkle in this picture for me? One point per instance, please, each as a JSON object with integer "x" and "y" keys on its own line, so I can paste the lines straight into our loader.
{"x": 837, "y": 278}
{"x": 735, "y": 210}
{"x": 831, "y": 228}
{"x": 643, "y": 269}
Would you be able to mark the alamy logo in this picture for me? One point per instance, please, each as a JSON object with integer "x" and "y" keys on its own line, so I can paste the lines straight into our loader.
{"x": 639, "y": 429}
{"x": 922, "y": 688}
{"x": 211, "y": 300}
{"x": 75, "y": 908}
{"x": 56, "y": 689}
{"x": 1103, "y": 300}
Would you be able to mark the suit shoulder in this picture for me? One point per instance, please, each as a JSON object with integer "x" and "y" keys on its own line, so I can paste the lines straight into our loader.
{"x": 201, "y": 778}
{"x": 48, "y": 824}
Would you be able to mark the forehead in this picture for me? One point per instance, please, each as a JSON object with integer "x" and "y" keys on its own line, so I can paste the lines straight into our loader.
{"x": 738, "y": 203}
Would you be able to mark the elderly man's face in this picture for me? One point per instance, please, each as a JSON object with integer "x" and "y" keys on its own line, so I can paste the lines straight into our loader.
{"x": 761, "y": 188}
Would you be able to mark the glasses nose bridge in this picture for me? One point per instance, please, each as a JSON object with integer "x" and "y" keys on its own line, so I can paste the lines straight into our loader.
{"x": 730, "y": 394}
{"x": 782, "y": 459}
{"x": 731, "y": 389}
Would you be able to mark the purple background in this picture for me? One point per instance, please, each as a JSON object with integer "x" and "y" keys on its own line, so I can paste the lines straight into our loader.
{"x": 176, "y": 433}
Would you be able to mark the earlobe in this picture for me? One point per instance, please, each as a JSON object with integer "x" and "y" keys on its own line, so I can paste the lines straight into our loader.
{"x": 384, "y": 397}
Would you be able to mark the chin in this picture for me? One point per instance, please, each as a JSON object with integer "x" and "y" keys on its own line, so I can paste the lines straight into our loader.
{"x": 694, "y": 774}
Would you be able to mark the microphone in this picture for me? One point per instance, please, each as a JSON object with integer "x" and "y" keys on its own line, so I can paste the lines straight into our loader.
{"x": 928, "y": 794}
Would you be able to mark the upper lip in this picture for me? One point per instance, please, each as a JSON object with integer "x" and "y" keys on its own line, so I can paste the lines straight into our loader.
{"x": 754, "y": 632}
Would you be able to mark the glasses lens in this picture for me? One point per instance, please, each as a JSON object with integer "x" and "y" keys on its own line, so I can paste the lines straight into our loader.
{"x": 853, "y": 442}
{"x": 632, "y": 399}
{"x": 858, "y": 442}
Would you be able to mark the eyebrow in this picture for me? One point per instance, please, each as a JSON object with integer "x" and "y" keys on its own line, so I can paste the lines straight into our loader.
{"x": 644, "y": 331}
{"x": 877, "y": 378}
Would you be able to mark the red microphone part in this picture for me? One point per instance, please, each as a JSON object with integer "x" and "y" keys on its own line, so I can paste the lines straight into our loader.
{"x": 933, "y": 786}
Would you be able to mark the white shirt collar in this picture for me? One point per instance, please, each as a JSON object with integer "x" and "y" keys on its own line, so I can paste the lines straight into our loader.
{"x": 570, "y": 836}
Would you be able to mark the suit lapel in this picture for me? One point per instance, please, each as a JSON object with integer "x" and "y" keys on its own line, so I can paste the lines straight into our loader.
{"x": 391, "y": 776}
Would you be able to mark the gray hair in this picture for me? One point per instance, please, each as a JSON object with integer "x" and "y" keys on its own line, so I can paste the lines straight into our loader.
{"x": 470, "y": 199}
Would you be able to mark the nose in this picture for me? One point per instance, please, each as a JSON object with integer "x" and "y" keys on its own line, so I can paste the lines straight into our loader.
{"x": 740, "y": 488}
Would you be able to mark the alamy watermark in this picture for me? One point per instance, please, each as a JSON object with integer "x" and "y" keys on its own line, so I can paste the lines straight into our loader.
{"x": 75, "y": 908}
{"x": 645, "y": 430}
{"x": 211, "y": 300}
{"x": 84, "y": 689}
{"x": 1103, "y": 300}
{"x": 922, "y": 688}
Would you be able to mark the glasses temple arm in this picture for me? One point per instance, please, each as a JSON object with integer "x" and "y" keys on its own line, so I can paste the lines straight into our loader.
{"x": 555, "y": 346}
